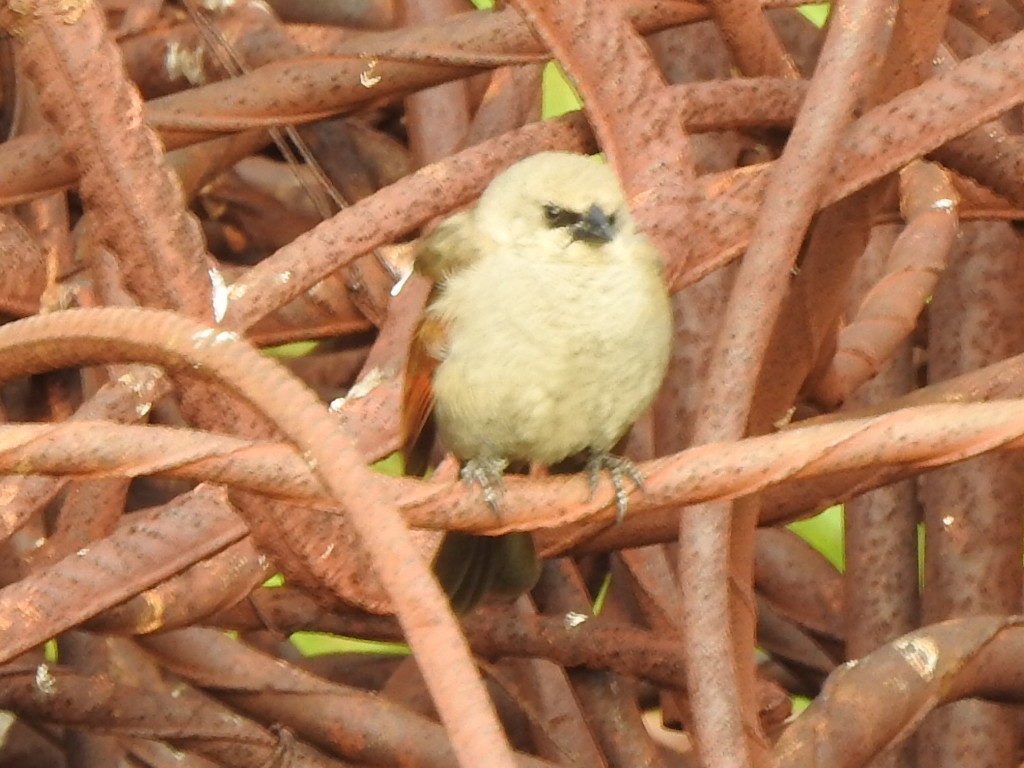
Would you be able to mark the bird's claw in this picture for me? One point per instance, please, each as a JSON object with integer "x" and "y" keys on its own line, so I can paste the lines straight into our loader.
{"x": 618, "y": 468}
{"x": 487, "y": 473}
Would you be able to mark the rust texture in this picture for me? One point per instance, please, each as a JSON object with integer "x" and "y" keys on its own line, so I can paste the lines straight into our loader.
{"x": 839, "y": 214}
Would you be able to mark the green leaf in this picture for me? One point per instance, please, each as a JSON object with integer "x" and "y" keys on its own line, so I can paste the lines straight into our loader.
{"x": 319, "y": 643}
{"x": 824, "y": 532}
{"x": 816, "y": 13}
{"x": 558, "y": 95}
{"x": 294, "y": 349}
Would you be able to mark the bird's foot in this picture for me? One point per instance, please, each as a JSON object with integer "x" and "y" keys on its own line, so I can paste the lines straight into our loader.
{"x": 619, "y": 468}
{"x": 487, "y": 473}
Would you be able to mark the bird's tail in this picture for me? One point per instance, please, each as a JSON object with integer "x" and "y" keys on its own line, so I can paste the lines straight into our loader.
{"x": 470, "y": 566}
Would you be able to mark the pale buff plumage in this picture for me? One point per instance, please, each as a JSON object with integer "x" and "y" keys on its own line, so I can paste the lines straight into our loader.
{"x": 548, "y": 333}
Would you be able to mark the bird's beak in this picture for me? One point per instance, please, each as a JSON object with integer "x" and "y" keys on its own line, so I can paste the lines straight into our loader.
{"x": 594, "y": 227}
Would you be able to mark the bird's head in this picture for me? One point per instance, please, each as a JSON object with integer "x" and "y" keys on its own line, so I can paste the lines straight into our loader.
{"x": 558, "y": 198}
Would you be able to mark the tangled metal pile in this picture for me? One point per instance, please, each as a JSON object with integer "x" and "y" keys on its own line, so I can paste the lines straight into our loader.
{"x": 836, "y": 207}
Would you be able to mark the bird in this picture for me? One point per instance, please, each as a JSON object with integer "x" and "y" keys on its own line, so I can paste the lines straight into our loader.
{"x": 547, "y": 333}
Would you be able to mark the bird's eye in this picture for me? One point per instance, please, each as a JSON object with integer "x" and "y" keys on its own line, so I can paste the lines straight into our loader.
{"x": 552, "y": 213}
{"x": 557, "y": 216}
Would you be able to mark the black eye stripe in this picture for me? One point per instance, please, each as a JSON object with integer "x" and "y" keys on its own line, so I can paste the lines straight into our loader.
{"x": 561, "y": 217}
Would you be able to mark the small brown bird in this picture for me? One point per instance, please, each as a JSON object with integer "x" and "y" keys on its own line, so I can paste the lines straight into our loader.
{"x": 546, "y": 336}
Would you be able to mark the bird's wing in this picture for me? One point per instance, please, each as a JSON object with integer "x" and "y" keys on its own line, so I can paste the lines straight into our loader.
{"x": 425, "y": 353}
{"x": 452, "y": 246}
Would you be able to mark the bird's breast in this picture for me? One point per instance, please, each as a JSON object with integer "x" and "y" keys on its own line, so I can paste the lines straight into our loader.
{"x": 546, "y": 360}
